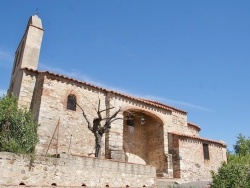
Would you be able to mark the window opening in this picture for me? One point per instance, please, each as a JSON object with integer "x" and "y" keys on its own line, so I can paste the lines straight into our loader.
{"x": 205, "y": 151}
{"x": 131, "y": 120}
{"x": 71, "y": 102}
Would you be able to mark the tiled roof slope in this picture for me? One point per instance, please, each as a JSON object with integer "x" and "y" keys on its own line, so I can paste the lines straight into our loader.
{"x": 194, "y": 125}
{"x": 145, "y": 101}
{"x": 199, "y": 138}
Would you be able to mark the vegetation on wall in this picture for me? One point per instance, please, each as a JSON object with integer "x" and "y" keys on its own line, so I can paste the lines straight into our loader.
{"x": 18, "y": 130}
{"x": 235, "y": 173}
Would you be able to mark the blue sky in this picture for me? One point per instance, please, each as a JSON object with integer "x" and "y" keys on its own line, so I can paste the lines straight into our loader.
{"x": 193, "y": 55}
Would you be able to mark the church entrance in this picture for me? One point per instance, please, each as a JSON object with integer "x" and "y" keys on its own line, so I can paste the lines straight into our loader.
{"x": 143, "y": 139}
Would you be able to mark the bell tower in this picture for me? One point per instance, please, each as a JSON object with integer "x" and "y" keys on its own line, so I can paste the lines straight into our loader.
{"x": 26, "y": 56}
{"x": 28, "y": 51}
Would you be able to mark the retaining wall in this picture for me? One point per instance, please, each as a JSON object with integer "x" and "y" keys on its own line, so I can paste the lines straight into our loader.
{"x": 69, "y": 171}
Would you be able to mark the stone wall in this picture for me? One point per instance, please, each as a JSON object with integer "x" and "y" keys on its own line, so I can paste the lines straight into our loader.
{"x": 72, "y": 135}
{"x": 193, "y": 165}
{"x": 72, "y": 171}
{"x": 194, "y": 129}
{"x": 143, "y": 143}
{"x": 27, "y": 88}
{"x": 174, "y": 151}
{"x": 135, "y": 142}
{"x": 178, "y": 122}
{"x": 49, "y": 107}
{"x": 155, "y": 146}
{"x": 16, "y": 82}
{"x": 188, "y": 157}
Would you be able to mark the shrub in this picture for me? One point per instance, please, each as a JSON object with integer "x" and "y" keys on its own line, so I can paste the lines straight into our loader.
{"x": 235, "y": 173}
{"x": 232, "y": 175}
{"x": 18, "y": 130}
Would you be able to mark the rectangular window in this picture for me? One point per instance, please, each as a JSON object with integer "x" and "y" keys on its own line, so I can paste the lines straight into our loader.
{"x": 205, "y": 151}
{"x": 71, "y": 103}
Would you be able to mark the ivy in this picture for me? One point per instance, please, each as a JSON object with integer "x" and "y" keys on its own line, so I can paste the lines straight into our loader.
{"x": 18, "y": 130}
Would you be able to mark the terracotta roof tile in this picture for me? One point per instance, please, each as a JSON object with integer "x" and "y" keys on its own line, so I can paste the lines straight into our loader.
{"x": 164, "y": 105}
{"x": 199, "y": 138}
{"x": 194, "y": 125}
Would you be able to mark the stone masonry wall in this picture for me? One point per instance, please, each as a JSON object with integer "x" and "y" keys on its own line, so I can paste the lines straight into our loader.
{"x": 72, "y": 135}
{"x": 155, "y": 146}
{"x": 143, "y": 143}
{"x": 16, "y": 81}
{"x": 177, "y": 122}
{"x": 72, "y": 171}
{"x": 194, "y": 131}
{"x": 135, "y": 142}
{"x": 27, "y": 89}
{"x": 50, "y": 98}
{"x": 192, "y": 163}
{"x": 36, "y": 98}
{"x": 174, "y": 151}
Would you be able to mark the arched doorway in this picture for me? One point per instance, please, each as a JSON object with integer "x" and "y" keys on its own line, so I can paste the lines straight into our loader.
{"x": 143, "y": 139}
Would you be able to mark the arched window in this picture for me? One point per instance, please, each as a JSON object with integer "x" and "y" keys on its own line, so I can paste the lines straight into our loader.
{"x": 71, "y": 102}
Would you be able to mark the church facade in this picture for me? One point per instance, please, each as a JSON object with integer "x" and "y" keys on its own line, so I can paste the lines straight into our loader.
{"x": 147, "y": 132}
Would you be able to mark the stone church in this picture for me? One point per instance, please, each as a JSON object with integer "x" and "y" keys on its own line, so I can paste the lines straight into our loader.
{"x": 146, "y": 133}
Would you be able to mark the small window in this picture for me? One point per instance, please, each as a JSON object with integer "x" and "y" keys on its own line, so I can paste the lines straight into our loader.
{"x": 205, "y": 151}
{"x": 130, "y": 121}
{"x": 71, "y": 102}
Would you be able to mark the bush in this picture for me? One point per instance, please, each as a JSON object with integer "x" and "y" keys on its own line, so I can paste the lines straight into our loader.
{"x": 231, "y": 176}
{"x": 236, "y": 173}
{"x": 18, "y": 130}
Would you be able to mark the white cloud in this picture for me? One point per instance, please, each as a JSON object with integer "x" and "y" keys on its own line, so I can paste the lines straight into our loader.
{"x": 176, "y": 102}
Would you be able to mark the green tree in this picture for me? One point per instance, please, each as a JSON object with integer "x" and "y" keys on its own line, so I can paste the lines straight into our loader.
{"x": 235, "y": 173}
{"x": 18, "y": 130}
{"x": 242, "y": 146}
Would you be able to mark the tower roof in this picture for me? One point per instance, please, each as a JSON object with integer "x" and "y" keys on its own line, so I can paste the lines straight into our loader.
{"x": 35, "y": 21}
